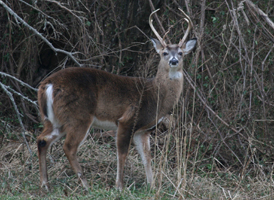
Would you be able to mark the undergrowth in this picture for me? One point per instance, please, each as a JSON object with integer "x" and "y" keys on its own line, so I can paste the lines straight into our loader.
{"x": 180, "y": 172}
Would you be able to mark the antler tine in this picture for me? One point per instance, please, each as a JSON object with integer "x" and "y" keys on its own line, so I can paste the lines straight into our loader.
{"x": 185, "y": 14}
{"x": 188, "y": 20}
{"x": 154, "y": 30}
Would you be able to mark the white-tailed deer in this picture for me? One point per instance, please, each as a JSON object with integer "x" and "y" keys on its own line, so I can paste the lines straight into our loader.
{"x": 74, "y": 99}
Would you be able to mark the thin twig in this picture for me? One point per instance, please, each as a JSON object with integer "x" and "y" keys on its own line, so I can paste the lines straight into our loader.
{"x": 24, "y": 97}
{"x": 65, "y": 8}
{"x": 260, "y": 13}
{"x": 44, "y": 14}
{"x": 21, "y": 82}
{"x": 188, "y": 78}
{"x": 56, "y": 50}
{"x": 18, "y": 116}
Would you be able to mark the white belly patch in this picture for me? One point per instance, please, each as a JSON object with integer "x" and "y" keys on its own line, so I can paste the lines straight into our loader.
{"x": 159, "y": 121}
{"x": 103, "y": 124}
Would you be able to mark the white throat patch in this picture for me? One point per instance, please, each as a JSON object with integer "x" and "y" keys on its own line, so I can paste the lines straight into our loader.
{"x": 175, "y": 74}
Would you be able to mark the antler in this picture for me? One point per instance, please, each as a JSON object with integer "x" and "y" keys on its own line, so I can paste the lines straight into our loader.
{"x": 154, "y": 30}
{"x": 188, "y": 20}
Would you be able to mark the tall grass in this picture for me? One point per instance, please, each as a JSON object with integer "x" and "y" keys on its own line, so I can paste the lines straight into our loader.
{"x": 181, "y": 170}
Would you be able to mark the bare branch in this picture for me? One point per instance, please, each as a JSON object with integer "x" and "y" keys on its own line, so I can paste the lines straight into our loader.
{"x": 65, "y": 8}
{"x": 24, "y": 97}
{"x": 44, "y": 14}
{"x": 56, "y": 50}
{"x": 241, "y": 8}
{"x": 21, "y": 82}
{"x": 189, "y": 80}
{"x": 255, "y": 11}
{"x": 260, "y": 13}
{"x": 18, "y": 115}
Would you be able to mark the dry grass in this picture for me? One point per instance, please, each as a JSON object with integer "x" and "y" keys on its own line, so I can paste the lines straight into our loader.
{"x": 180, "y": 172}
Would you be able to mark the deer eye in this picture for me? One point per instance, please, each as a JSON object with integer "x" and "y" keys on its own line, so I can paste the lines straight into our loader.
{"x": 165, "y": 53}
{"x": 180, "y": 53}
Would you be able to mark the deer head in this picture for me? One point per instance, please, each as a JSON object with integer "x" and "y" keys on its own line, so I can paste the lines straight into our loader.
{"x": 173, "y": 54}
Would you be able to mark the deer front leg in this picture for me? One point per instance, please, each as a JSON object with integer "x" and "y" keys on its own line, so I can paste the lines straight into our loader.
{"x": 142, "y": 143}
{"x": 122, "y": 142}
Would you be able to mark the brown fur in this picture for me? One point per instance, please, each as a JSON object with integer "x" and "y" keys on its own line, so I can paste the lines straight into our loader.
{"x": 134, "y": 105}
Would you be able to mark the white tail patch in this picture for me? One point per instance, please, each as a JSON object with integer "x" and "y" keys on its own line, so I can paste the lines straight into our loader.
{"x": 50, "y": 113}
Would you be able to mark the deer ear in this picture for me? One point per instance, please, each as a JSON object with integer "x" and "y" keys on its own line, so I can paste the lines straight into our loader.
{"x": 189, "y": 46}
{"x": 157, "y": 45}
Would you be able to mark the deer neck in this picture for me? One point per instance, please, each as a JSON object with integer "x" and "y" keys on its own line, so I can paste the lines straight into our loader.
{"x": 169, "y": 83}
{"x": 167, "y": 75}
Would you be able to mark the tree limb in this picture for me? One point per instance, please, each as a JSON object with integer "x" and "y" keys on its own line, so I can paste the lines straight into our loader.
{"x": 254, "y": 10}
{"x": 21, "y": 82}
{"x": 18, "y": 115}
{"x": 260, "y": 13}
{"x": 56, "y": 50}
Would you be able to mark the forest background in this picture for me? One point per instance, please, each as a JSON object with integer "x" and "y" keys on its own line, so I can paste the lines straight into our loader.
{"x": 217, "y": 144}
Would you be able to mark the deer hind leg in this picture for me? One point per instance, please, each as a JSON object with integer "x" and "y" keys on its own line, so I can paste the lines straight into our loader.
{"x": 75, "y": 137}
{"x": 49, "y": 135}
{"x": 142, "y": 142}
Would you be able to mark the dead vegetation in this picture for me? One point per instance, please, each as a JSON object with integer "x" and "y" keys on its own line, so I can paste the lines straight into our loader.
{"x": 219, "y": 144}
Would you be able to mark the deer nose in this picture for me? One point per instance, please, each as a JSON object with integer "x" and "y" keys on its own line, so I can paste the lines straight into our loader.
{"x": 173, "y": 61}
